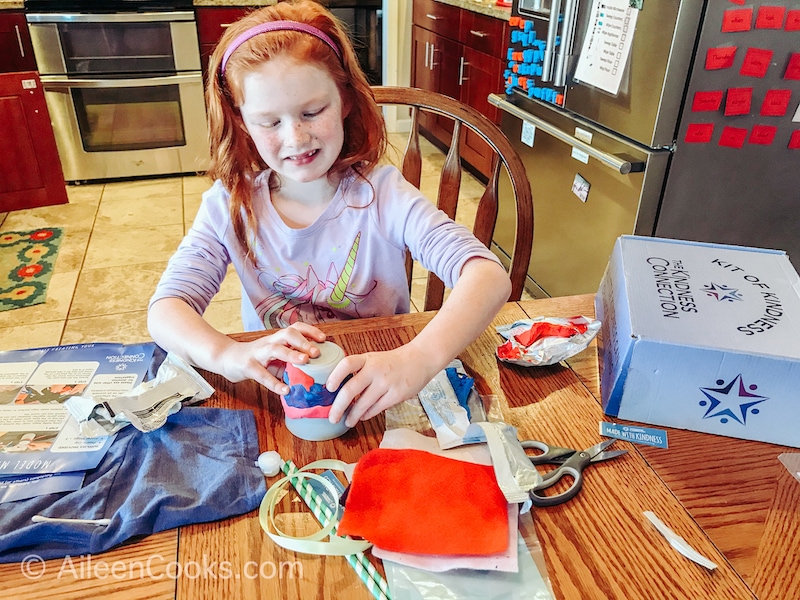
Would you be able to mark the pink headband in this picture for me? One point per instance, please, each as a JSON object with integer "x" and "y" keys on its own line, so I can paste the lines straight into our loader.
{"x": 277, "y": 26}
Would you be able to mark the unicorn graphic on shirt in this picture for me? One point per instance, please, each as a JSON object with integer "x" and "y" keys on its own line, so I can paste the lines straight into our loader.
{"x": 311, "y": 299}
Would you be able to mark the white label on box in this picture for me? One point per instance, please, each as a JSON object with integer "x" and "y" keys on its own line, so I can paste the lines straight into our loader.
{"x": 528, "y": 131}
{"x": 580, "y": 155}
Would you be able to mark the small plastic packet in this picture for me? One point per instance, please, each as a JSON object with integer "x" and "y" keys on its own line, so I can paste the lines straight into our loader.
{"x": 545, "y": 341}
{"x": 146, "y": 406}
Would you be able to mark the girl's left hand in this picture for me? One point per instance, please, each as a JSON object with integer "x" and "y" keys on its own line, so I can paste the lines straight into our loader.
{"x": 380, "y": 380}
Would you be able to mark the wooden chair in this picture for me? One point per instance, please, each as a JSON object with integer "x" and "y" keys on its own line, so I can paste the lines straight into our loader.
{"x": 450, "y": 181}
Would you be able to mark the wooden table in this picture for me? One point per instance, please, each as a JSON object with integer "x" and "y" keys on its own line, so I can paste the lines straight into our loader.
{"x": 730, "y": 499}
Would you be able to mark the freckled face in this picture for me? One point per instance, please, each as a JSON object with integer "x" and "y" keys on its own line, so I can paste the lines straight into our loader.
{"x": 294, "y": 113}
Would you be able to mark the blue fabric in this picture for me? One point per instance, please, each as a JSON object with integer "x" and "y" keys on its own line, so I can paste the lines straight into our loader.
{"x": 199, "y": 467}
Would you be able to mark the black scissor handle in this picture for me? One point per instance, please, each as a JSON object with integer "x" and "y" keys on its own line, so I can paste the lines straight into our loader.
{"x": 573, "y": 467}
{"x": 550, "y": 454}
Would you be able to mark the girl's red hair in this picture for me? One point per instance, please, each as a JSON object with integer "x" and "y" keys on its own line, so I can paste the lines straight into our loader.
{"x": 234, "y": 158}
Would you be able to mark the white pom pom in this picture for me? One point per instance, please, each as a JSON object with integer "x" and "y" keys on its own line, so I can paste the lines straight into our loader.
{"x": 270, "y": 463}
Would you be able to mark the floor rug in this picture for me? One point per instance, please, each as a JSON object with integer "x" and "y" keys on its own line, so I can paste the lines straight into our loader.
{"x": 26, "y": 265}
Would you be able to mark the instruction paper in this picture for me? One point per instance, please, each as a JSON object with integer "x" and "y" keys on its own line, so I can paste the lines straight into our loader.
{"x": 37, "y": 435}
{"x": 607, "y": 45}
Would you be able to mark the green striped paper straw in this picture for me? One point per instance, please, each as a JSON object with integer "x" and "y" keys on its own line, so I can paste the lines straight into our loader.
{"x": 361, "y": 564}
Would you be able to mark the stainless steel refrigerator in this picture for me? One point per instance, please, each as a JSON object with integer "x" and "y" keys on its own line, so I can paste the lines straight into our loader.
{"x": 655, "y": 117}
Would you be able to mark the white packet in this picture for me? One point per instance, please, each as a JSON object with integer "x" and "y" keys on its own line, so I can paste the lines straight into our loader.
{"x": 147, "y": 406}
{"x": 449, "y": 419}
{"x": 547, "y": 350}
{"x": 515, "y": 473}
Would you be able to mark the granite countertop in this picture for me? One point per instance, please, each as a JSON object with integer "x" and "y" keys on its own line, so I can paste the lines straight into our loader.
{"x": 10, "y": 4}
{"x": 485, "y": 7}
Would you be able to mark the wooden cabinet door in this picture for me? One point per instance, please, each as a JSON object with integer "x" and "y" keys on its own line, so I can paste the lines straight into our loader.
{"x": 16, "y": 51}
{"x": 30, "y": 172}
{"x": 482, "y": 76}
{"x": 435, "y": 67}
{"x": 211, "y": 24}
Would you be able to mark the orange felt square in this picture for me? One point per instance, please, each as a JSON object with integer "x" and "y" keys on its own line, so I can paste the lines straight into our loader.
{"x": 417, "y": 502}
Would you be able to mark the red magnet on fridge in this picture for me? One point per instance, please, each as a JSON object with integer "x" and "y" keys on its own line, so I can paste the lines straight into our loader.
{"x": 720, "y": 58}
{"x": 737, "y": 19}
{"x": 707, "y": 101}
{"x": 733, "y": 137}
{"x": 756, "y": 62}
{"x": 762, "y": 134}
{"x": 699, "y": 133}
{"x": 770, "y": 17}
{"x": 792, "y": 21}
{"x": 793, "y": 68}
{"x": 737, "y": 102}
{"x": 776, "y": 103}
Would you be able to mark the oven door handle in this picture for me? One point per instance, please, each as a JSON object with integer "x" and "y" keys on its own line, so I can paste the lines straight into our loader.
{"x": 56, "y": 82}
{"x": 119, "y": 17}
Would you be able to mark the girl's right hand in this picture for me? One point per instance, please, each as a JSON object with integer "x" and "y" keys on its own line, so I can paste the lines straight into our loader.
{"x": 264, "y": 359}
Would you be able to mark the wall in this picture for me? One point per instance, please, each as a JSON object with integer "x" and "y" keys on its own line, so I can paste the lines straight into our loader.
{"x": 397, "y": 55}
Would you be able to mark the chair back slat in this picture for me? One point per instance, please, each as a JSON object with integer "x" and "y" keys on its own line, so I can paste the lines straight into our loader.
{"x": 486, "y": 216}
{"x": 412, "y": 157}
{"x": 450, "y": 180}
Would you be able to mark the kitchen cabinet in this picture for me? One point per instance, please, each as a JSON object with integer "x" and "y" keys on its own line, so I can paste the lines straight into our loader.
{"x": 16, "y": 51}
{"x": 211, "y": 24}
{"x": 30, "y": 175}
{"x": 458, "y": 53}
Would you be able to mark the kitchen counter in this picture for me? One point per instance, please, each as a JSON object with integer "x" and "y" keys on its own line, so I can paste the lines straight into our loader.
{"x": 11, "y": 4}
{"x": 487, "y": 7}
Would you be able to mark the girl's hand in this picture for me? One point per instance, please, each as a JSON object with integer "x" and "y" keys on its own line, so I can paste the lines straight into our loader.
{"x": 380, "y": 380}
{"x": 263, "y": 360}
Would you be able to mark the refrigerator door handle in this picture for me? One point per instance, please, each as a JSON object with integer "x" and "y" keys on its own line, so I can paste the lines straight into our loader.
{"x": 549, "y": 49}
{"x": 567, "y": 33}
{"x": 619, "y": 164}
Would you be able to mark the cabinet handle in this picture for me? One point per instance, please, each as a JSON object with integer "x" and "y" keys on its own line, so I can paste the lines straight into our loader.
{"x": 19, "y": 41}
{"x": 461, "y": 64}
{"x": 432, "y": 17}
{"x": 427, "y": 45}
{"x": 433, "y": 49}
{"x": 225, "y": 25}
{"x": 480, "y": 34}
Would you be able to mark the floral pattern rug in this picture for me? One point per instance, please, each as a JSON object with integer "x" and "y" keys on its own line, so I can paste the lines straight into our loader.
{"x": 26, "y": 265}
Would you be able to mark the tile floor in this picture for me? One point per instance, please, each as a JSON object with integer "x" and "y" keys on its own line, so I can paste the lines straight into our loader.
{"x": 118, "y": 238}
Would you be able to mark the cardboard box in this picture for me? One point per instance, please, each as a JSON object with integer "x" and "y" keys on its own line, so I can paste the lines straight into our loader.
{"x": 703, "y": 337}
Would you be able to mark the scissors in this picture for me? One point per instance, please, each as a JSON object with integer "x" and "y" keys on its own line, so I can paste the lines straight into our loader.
{"x": 571, "y": 464}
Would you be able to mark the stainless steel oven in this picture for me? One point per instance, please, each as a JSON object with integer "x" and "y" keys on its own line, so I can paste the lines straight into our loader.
{"x": 124, "y": 89}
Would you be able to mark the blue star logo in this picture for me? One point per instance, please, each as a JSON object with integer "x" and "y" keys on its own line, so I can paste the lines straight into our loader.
{"x": 733, "y": 400}
{"x": 722, "y": 292}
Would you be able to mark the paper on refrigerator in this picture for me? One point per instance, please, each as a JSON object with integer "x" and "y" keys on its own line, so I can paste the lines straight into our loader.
{"x": 607, "y": 45}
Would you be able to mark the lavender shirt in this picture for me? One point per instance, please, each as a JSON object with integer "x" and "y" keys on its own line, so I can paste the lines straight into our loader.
{"x": 349, "y": 263}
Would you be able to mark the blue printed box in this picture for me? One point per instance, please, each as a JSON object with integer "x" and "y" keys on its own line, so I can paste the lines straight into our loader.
{"x": 703, "y": 337}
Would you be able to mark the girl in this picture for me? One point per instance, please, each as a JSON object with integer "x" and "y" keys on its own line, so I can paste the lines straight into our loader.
{"x": 315, "y": 227}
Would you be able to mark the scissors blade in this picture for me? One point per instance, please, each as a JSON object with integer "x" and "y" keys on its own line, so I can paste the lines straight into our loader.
{"x": 598, "y": 448}
{"x": 608, "y": 455}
